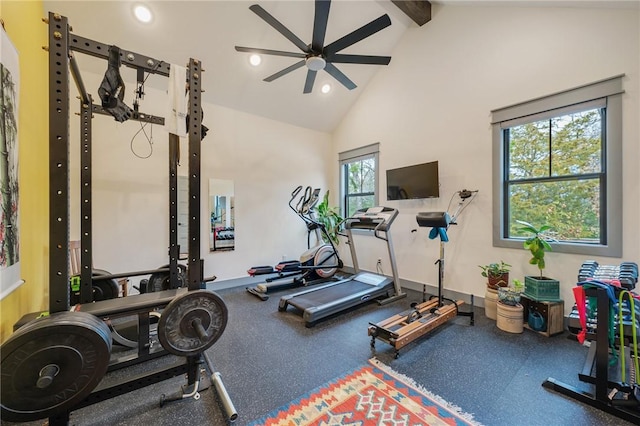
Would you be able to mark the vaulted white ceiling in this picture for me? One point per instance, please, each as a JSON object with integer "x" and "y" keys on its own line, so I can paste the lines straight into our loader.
{"x": 210, "y": 30}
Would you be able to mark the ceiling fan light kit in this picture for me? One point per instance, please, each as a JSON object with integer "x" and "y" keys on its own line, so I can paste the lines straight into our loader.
{"x": 316, "y": 56}
{"x": 315, "y": 63}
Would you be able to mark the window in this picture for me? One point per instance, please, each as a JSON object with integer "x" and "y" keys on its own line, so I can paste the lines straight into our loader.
{"x": 557, "y": 161}
{"x": 358, "y": 179}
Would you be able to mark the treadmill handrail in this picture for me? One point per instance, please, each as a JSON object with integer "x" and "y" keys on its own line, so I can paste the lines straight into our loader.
{"x": 377, "y": 234}
{"x": 376, "y": 230}
{"x": 366, "y": 220}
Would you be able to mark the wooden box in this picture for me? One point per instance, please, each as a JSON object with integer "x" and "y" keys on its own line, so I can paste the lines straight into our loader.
{"x": 552, "y": 312}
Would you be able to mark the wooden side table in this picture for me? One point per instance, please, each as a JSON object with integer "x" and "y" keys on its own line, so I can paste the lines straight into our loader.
{"x": 552, "y": 312}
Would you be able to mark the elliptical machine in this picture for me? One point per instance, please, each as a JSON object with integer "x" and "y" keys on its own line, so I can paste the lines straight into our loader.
{"x": 315, "y": 265}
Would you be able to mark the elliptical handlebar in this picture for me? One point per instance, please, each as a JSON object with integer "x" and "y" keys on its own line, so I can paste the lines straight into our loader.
{"x": 310, "y": 203}
{"x": 305, "y": 204}
{"x": 304, "y": 201}
{"x": 304, "y": 209}
{"x": 294, "y": 194}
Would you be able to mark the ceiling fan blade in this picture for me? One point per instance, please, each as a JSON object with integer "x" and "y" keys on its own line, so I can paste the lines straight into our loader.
{"x": 360, "y": 34}
{"x": 320, "y": 24}
{"x": 269, "y": 19}
{"x": 311, "y": 78}
{"x": 338, "y": 75}
{"x": 359, "y": 59}
{"x": 270, "y": 52}
{"x": 285, "y": 71}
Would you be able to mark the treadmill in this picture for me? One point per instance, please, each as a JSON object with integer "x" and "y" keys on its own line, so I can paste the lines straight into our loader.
{"x": 325, "y": 300}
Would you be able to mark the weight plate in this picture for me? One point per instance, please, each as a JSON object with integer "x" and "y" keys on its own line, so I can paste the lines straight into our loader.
{"x": 159, "y": 281}
{"x": 103, "y": 289}
{"x": 178, "y": 328}
{"x": 51, "y": 364}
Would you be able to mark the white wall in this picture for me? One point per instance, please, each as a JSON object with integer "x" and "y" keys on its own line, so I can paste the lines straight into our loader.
{"x": 265, "y": 159}
{"x": 433, "y": 102}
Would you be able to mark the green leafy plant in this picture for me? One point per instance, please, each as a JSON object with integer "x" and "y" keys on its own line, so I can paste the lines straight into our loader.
{"x": 497, "y": 274}
{"x": 330, "y": 218}
{"x": 494, "y": 269}
{"x": 537, "y": 244}
{"x": 518, "y": 286}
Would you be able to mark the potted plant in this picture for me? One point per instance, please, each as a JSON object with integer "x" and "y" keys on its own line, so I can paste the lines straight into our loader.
{"x": 497, "y": 274}
{"x": 329, "y": 218}
{"x": 539, "y": 287}
{"x": 511, "y": 295}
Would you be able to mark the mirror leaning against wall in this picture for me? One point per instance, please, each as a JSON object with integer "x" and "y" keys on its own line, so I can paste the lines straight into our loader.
{"x": 221, "y": 204}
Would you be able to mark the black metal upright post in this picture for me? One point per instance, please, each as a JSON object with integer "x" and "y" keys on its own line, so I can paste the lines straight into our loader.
{"x": 174, "y": 250}
{"x": 195, "y": 138}
{"x": 86, "y": 240}
{"x": 58, "y": 163}
{"x": 602, "y": 346}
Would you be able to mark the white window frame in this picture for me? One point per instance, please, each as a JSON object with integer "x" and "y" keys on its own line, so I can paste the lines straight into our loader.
{"x": 608, "y": 91}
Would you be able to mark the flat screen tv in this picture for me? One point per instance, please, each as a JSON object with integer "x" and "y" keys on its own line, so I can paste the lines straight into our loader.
{"x": 412, "y": 182}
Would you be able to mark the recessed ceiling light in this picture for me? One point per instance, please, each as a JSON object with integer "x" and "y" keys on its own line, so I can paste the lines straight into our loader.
{"x": 142, "y": 13}
{"x": 326, "y": 88}
{"x": 255, "y": 60}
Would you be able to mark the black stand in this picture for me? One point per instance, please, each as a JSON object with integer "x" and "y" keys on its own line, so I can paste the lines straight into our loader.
{"x": 605, "y": 390}
{"x": 441, "y": 298}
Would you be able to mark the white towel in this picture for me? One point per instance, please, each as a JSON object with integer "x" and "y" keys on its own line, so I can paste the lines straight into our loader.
{"x": 176, "y": 118}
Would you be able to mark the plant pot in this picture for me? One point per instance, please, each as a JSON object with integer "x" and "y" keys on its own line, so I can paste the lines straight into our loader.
{"x": 542, "y": 289}
{"x": 510, "y": 318}
{"x": 508, "y": 296}
{"x": 490, "y": 300}
{"x": 495, "y": 281}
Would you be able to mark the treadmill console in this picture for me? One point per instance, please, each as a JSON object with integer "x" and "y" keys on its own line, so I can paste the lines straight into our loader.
{"x": 373, "y": 218}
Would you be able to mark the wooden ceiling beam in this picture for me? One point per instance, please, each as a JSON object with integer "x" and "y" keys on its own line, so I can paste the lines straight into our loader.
{"x": 418, "y": 10}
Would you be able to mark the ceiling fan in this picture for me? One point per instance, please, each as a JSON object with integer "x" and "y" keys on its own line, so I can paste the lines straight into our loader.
{"x": 316, "y": 56}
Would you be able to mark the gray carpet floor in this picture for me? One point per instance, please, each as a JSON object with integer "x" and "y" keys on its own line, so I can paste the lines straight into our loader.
{"x": 268, "y": 358}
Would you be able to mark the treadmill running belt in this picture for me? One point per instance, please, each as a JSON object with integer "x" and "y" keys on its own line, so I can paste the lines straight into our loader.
{"x": 327, "y": 295}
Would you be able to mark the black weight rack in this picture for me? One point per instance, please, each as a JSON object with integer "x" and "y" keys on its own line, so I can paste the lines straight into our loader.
{"x": 63, "y": 46}
{"x": 610, "y": 394}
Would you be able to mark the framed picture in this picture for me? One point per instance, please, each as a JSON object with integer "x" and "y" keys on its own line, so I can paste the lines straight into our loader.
{"x": 9, "y": 185}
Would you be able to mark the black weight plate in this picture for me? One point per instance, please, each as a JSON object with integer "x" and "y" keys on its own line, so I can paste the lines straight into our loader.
{"x": 159, "y": 281}
{"x": 176, "y": 330}
{"x": 103, "y": 289}
{"x": 76, "y": 344}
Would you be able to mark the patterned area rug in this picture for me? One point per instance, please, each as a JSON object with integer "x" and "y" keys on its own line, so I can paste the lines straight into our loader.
{"x": 371, "y": 395}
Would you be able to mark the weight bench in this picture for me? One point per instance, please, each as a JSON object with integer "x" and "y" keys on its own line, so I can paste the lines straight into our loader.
{"x": 114, "y": 307}
{"x": 135, "y": 303}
